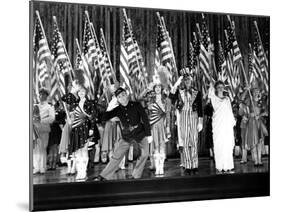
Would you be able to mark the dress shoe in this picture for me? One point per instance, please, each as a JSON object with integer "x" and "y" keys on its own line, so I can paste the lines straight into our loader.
{"x": 187, "y": 171}
{"x": 195, "y": 170}
{"x": 99, "y": 178}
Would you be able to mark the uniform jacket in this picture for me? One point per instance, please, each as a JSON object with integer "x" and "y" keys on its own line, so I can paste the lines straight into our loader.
{"x": 134, "y": 121}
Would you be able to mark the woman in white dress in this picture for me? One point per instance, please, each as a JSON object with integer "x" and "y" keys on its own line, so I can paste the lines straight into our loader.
{"x": 223, "y": 123}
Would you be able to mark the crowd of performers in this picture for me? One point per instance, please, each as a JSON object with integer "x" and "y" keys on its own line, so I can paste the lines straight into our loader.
{"x": 92, "y": 132}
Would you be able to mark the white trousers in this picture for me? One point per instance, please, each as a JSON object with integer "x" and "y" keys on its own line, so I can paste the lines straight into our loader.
{"x": 40, "y": 153}
{"x": 81, "y": 159}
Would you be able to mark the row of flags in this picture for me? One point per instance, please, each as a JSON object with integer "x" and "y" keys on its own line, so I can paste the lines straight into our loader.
{"x": 93, "y": 67}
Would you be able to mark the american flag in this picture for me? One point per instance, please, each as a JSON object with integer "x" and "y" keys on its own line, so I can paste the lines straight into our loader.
{"x": 124, "y": 65}
{"x": 137, "y": 72}
{"x": 124, "y": 69}
{"x": 258, "y": 70}
{"x": 135, "y": 59}
{"x": 108, "y": 72}
{"x": 41, "y": 50}
{"x": 232, "y": 42}
{"x": 82, "y": 72}
{"x": 191, "y": 60}
{"x": 62, "y": 64}
{"x": 252, "y": 72}
{"x": 90, "y": 48}
{"x": 157, "y": 61}
{"x": 230, "y": 77}
{"x": 205, "y": 38}
{"x": 221, "y": 59}
{"x": 166, "y": 56}
{"x": 99, "y": 79}
{"x": 233, "y": 57}
{"x": 196, "y": 46}
{"x": 258, "y": 48}
{"x": 204, "y": 62}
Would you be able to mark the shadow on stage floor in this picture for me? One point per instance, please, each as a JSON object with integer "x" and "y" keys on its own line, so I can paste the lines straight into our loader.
{"x": 172, "y": 169}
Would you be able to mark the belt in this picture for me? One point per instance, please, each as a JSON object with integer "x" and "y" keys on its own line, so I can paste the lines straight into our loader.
{"x": 131, "y": 128}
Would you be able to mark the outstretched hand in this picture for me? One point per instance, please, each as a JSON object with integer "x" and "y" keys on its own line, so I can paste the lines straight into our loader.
{"x": 112, "y": 104}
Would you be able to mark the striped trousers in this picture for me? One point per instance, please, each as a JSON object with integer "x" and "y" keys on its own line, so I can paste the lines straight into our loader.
{"x": 189, "y": 135}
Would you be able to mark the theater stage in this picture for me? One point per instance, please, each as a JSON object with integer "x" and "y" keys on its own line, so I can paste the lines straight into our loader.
{"x": 56, "y": 190}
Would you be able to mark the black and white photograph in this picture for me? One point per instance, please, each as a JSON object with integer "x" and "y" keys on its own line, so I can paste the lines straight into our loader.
{"x": 136, "y": 105}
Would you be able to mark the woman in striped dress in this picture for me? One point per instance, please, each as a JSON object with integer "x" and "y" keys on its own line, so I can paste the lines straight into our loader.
{"x": 83, "y": 127}
{"x": 158, "y": 113}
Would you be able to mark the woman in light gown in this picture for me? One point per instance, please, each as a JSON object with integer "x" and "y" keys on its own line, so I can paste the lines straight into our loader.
{"x": 223, "y": 123}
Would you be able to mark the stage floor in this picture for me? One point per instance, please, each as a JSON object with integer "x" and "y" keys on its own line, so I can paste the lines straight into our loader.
{"x": 172, "y": 169}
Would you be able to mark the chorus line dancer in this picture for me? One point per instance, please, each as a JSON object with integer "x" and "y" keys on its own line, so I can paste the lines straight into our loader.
{"x": 83, "y": 127}
{"x": 158, "y": 114}
{"x": 45, "y": 115}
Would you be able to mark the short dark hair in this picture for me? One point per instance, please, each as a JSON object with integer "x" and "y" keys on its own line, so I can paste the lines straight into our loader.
{"x": 44, "y": 91}
{"x": 219, "y": 82}
{"x": 118, "y": 91}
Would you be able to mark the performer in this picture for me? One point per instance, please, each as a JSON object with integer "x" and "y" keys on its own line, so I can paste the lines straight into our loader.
{"x": 158, "y": 109}
{"x": 45, "y": 115}
{"x": 110, "y": 133}
{"x": 256, "y": 129}
{"x": 223, "y": 123}
{"x": 64, "y": 144}
{"x": 189, "y": 105}
{"x": 134, "y": 128}
{"x": 244, "y": 112}
{"x": 83, "y": 127}
{"x": 55, "y": 136}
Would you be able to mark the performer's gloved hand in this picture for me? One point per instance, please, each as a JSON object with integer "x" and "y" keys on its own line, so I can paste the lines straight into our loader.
{"x": 176, "y": 85}
{"x": 112, "y": 104}
{"x": 149, "y": 139}
{"x": 200, "y": 125}
{"x": 91, "y": 132}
